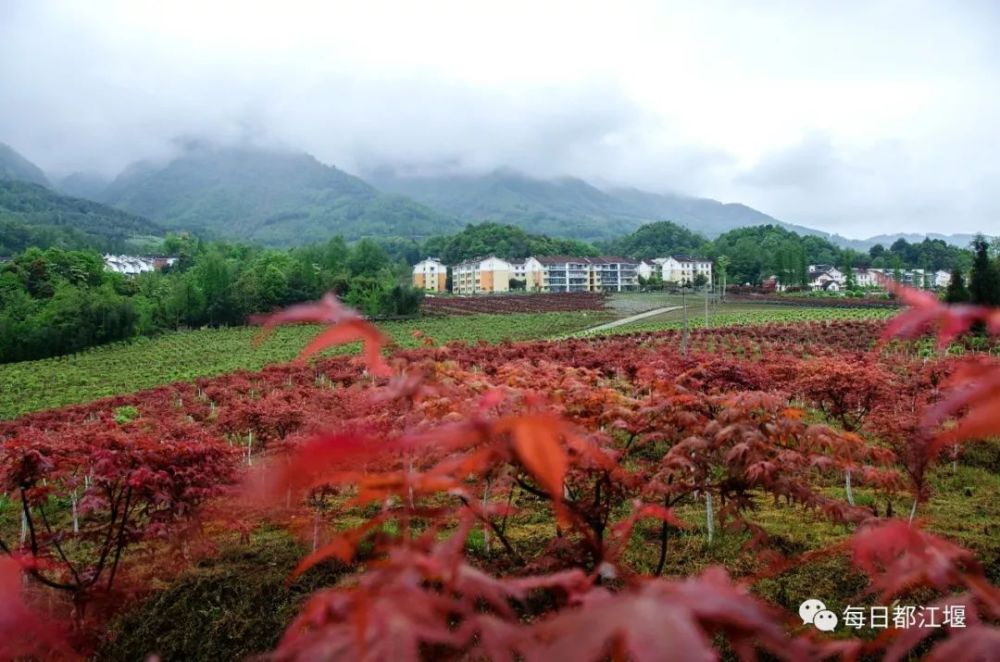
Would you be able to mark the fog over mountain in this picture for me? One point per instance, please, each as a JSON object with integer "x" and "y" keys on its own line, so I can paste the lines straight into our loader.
{"x": 852, "y": 118}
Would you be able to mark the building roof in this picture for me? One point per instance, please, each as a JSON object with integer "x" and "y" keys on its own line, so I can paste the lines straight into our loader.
{"x": 688, "y": 258}
{"x": 477, "y": 260}
{"x": 572, "y": 259}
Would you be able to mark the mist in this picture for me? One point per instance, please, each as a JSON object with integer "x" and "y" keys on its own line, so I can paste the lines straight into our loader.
{"x": 859, "y": 118}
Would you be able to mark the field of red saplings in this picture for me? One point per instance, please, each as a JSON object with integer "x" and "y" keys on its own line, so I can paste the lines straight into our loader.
{"x": 815, "y": 302}
{"x": 568, "y": 461}
{"x": 513, "y": 303}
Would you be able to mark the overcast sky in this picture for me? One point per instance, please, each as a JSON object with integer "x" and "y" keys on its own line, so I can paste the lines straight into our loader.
{"x": 852, "y": 117}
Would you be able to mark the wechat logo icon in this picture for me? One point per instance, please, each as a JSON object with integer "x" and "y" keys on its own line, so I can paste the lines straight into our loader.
{"x": 815, "y": 613}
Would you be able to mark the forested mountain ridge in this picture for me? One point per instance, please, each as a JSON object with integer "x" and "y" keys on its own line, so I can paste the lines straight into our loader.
{"x": 33, "y": 215}
{"x": 276, "y": 198}
{"x": 288, "y": 198}
{"x": 567, "y": 206}
{"x": 14, "y": 167}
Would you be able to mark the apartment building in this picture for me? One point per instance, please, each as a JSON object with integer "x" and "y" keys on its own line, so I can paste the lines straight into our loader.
{"x": 683, "y": 270}
{"x": 430, "y": 275}
{"x": 482, "y": 276}
{"x": 531, "y": 272}
{"x": 562, "y": 273}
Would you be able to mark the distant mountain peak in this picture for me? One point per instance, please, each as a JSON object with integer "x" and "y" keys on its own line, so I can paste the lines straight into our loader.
{"x": 15, "y": 167}
{"x": 274, "y": 196}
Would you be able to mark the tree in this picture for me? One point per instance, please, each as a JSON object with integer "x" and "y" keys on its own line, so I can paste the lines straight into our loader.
{"x": 850, "y": 282}
{"x": 658, "y": 240}
{"x": 897, "y": 268}
{"x": 367, "y": 259}
{"x": 956, "y": 291}
{"x": 876, "y": 251}
{"x": 722, "y": 265}
{"x": 984, "y": 284}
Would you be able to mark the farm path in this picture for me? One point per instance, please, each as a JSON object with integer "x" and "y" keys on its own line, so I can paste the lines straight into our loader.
{"x": 628, "y": 320}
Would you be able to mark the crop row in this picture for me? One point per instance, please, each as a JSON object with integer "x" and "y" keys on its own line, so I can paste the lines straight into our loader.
{"x": 819, "y": 302}
{"x": 125, "y": 368}
{"x": 513, "y": 303}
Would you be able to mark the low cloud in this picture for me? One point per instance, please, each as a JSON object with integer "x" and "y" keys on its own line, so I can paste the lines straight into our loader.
{"x": 858, "y": 131}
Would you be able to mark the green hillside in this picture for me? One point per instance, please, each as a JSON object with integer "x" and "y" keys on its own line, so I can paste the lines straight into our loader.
{"x": 14, "y": 167}
{"x": 658, "y": 240}
{"x": 32, "y": 215}
{"x": 277, "y": 198}
{"x": 506, "y": 241}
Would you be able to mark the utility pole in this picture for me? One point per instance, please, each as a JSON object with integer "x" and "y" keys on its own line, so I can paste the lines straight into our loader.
{"x": 706, "y": 306}
{"x": 684, "y": 341}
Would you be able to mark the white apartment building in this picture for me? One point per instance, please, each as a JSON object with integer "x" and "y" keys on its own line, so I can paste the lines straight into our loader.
{"x": 531, "y": 272}
{"x": 682, "y": 269}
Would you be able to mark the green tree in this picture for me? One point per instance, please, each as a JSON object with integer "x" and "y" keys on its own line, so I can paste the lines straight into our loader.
{"x": 850, "y": 283}
{"x": 722, "y": 269}
{"x": 956, "y": 291}
{"x": 984, "y": 284}
{"x": 367, "y": 259}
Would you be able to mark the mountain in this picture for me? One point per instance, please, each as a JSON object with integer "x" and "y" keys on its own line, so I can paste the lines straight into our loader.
{"x": 32, "y": 215}
{"x": 82, "y": 185}
{"x": 566, "y": 207}
{"x": 14, "y": 167}
{"x": 703, "y": 215}
{"x": 277, "y": 198}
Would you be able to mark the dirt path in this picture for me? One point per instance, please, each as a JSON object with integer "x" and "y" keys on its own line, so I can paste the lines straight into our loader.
{"x": 628, "y": 320}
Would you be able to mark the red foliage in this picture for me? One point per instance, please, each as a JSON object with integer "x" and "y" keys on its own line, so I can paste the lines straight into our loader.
{"x": 513, "y": 303}
{"x": 602, "y": 433}
{"x": 23, "y": 633}
{"x": 845, "y": 389}
{"x": 121, "y": 488}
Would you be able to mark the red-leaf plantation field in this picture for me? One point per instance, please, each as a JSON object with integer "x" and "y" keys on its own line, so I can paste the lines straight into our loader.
{"x": 654, "y": 496}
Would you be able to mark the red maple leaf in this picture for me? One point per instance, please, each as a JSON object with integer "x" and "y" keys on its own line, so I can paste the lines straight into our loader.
{"x": 347, "y": 326}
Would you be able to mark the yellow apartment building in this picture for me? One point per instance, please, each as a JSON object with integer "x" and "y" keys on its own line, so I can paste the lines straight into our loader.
{"x": 430, "y": 275}
{"x": 482, "y": 276}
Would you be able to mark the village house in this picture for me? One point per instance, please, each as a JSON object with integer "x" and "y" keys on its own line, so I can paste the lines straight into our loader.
{"x": 430, "y": 275}
{"x": 942, "y": 278}
{"x": 131, "y": 265}
{"x": 826, "y": 277}
{"x": 866, "y": 277}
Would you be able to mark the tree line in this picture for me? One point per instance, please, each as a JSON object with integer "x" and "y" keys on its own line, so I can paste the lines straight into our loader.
{"x": 58, "y": 301}
{"x": 754, "y": 253}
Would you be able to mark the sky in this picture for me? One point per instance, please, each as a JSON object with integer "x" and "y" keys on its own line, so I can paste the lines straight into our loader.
{"x": 855, "y": 117}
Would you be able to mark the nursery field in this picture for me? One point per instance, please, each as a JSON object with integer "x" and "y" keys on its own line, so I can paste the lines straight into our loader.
{"x": 744, "y": 314}
{"x": 618, "y": 495}
{"x": 499, "y": 304}
{"x": 125, "y": 368}
{"x": 181, "y": 356}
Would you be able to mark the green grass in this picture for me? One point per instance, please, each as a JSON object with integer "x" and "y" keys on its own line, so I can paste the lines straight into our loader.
{"x": 126, "y": 368}
{"x": 145, "y": 363}
{"x": 227, "y": 607}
